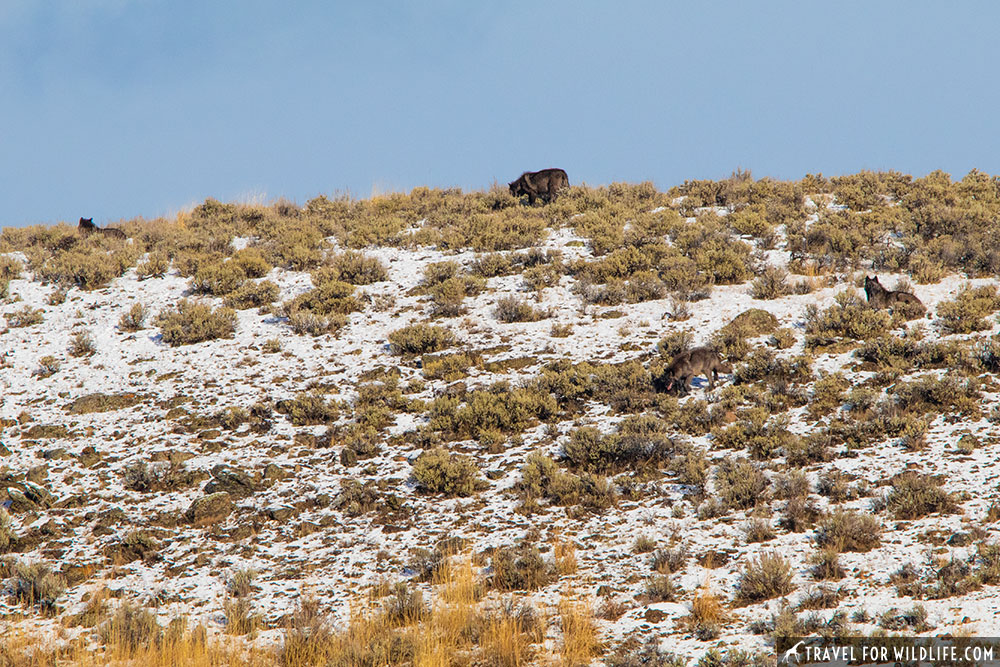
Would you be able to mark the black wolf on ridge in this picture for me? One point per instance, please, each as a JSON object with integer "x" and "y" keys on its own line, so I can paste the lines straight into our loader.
{"x": 545, "y": 184}
{"x": 87, "y": 227}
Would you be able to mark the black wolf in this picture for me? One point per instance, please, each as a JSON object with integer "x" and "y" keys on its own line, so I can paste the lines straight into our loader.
{"x": 699, "y": 361}
{"x": 87, "y": 227}
{"x": 879, "y": 297}
{"x": 545, "y": 184}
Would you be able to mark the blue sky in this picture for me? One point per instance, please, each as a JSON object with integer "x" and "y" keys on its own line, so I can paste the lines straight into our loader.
{"x": 121, "y": 108}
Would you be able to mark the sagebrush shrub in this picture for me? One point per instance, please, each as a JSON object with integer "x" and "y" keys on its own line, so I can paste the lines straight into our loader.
{"x": 542, "y": 478}
{"x": 661, "y": 588}
{"x": 155, "y": 265}
{"x": 308, "y": 408}
{"x": 968, "y": 310}
{"x": 8, "y": 538}
{"x": 355, "y": 268}
{"x": 758, "y": 530}
{"x": 766, "y": 577}
{"x": 740, "y": 484}
{"x": 88, "y": 265}
{"x": 241, "y": 616}
{"x": 10, "y": 269}
{"x": 82, "y": 344}
{"x": 134, "y": 319}
{"x": 849, "y": 531}
{"x": 252, "y": 262}
{"x": 47, "y": 366}
{"x": 826, "y": 564}
{"x": 304, "y": 322}
{"x": 751, "y": 221}
{"x": 914, "y": 495}
{"x": 497, "y": 409}
{"x": 192, "y": 322}
{"x": 438, "y": 272}
{"x": 25, "y": 317}
{"x": 733, "y": 339}
{"x": 404, "y": 605}
{"x": 520, "y": 568}
{"x": 493, "y": 264}
{"x": 828, "y": 394}
{"x": 761, "y": 437}
{"x": 329, "y": 298}
{"x": 513, "y": 309}
{"x": 772, "y": 283}
{"x": 421, "y": 339}
{"x": 447, "y": 296}
{"x": 629, "y": 449}
{"x": 252, "y": 295}
{"x": 36, "y": 585}
{"x": 439, "y": 471}
{"x": 448, "y": 367}
{"x": 849, "y": 318}
{"x": 939, "y": 394}
{"x": 218, "y": 279}
{"x": 157, "y": 477}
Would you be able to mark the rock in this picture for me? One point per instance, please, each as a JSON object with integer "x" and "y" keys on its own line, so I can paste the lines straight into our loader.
{"x": 171, "y": 455}
{"x": 38, "y": 494}
{"x": 74, "y": 501}
{"x": 20, "y": 502}
{"x": 306, "y": 440}
{"x": 233, "y": 481}
{"x": 135, "y": 546}
{"x": 37, "y": 474}
{"x": 55, "y": 454}
{"x": 112, "y": 517}
{"x": 76, "y": 573}
{"x": 960, "y": 540}
{"x": 280, "y": 513}
{"x": 44, "y": 431}
{"x": 348, "y": 457}
{"x": 654, "y": 615}
{"x": 210, "y": 509}
{"x": 273, "y": 473}
{"x": 88, "y": 456}
{"x": 305, "y": 529}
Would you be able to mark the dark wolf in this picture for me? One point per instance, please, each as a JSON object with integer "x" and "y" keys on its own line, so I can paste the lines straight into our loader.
{"x": 545, "y": 184}
{"x": 699, "y": 361}
{"x": 87, "y": 227}
{"x": 879, "y": 298}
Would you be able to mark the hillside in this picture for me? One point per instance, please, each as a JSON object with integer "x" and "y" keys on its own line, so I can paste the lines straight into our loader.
{"x": 248, "y": 416}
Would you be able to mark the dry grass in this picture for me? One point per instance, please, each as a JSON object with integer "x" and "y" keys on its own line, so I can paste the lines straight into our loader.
{"x": 564, "y": 554}
{"x": 580, "y": 643}
{"x": 507, "y": 633}
{"x": 707, "y": 609}
{"x": 19, "y": 648}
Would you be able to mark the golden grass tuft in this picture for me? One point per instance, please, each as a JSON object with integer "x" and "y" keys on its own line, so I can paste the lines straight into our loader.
{"x": 564, "y": 554}
{"x": 580, "y": 644}
{"x": 707, "y": 609}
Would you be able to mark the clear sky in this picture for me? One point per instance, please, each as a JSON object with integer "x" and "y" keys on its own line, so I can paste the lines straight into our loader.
{"x": 121, "y": 108}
